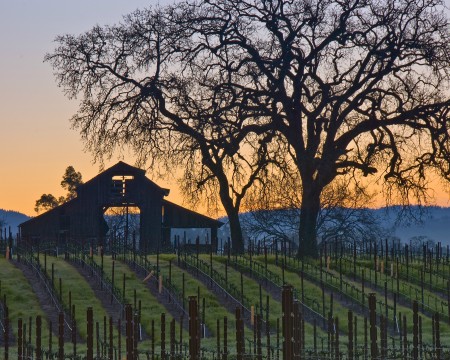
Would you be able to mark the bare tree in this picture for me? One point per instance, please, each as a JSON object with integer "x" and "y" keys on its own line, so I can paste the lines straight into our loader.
{"x": 144, "y": 83}
{"x": 275, "y": 205}
{"x": 351, "y": 85}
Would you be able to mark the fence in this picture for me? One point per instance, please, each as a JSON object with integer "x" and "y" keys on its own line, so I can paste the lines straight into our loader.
{"x": 287, "y": 343}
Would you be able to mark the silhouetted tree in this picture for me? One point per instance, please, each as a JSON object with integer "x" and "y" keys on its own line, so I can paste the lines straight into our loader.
{"x": 71, "y": 180}
{"x": 275, "y": 208}
{"x": 142, "y": 85}
{"x": 352, "y": 86}
{"x": 47, "y": 202}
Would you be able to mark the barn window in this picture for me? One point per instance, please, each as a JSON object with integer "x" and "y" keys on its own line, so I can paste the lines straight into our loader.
{"x": 119, "y": 185}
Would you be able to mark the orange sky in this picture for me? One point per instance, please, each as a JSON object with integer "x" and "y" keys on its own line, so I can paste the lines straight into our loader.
{"x": 36, "y": 142}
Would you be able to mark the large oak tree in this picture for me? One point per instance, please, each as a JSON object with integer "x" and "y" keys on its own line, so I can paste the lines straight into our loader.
{"x": 351, "y": 86}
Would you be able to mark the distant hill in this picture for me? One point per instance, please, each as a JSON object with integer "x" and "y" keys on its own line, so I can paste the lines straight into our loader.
{"x": 432, "y": 222}
{"x": 10, "y": 218}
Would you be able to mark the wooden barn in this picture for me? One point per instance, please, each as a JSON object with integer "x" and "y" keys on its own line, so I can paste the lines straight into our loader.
{"x": 82, "y": 218}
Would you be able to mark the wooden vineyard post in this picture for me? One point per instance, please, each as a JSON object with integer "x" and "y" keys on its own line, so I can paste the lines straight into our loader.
{"x": 19, "y": 339}
{"x": 421, "y": 288}
{"x": 61, "y": 336}
{"x": 415, "y": 330}
{"x": 111, "y": 339}
{"x": 362, "y": 290}
{"x": 242, "y": 293}
{"x": 405, "y": 338}
{"x": 386, "y": 309}
{"x": 210, "y": 268}
{"x": 365, "y": 339}
{"x": 407, "y": 261}
{"x": 258, "y": 337}
{"x": 97, "y": 338}
{"x": 181, "y": 335}
{"x": 153, "y": 339}
{"x": 438, "y": 336}
{"x": 50, "y": 335}
{"x": 395, "y": 311}
{"x": 448, "y": 299}
{"x": 225, "y": 339}
{"x": 315, "y": 337}
{"x": 287, "y": 323}
{"x": 194, "y": 338}
{"x": 53, "y": 275}
{"x": 383, "y": 344}
{"x": 375, "y": 261}
{"x": 6, "y": 335}
{"x": 183, "y": 289}
{"x": 240, "y": 345}
{"x": 163, "y": 336}
{"x": 123, "y": 288}
{"x": 30, "y": 325}
{"x": 218, "y": 337}
{"x": 38, "y": 337}
{"x": 373, "y": 326}
{"x": 296, "y": 331}
{"x": 129, "y": 332}
{"x": 135, "y": 334}
{"x": 112, "y": 279}
{"x": 267, "y": 328}
{"x": 397, "y": 275}
{"x": 74, "y": 331}
{"x": 350, "y": 335}
{"x": 119, "y": 338}
{"x": 354, "y": 261}
{"x": 336, "y": 339}
{"x": 330, "y": 342}
{"x": 322, "y": 287}
{"x": 420, "y": 337}
{"x": 172, "y": 339}
{"x": 226, "y": 276}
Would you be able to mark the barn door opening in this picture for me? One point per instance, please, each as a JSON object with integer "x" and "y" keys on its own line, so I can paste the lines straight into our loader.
{"x": 124, "y": 225}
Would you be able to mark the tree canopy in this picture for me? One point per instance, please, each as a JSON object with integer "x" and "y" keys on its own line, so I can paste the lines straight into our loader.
{"x": 352, "y": 87}
{"x": 71, "y": 180}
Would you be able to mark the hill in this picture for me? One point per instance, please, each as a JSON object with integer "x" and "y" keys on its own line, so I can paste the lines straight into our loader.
{"x": 430, "y": 222}
{"x": 10, "y": 218}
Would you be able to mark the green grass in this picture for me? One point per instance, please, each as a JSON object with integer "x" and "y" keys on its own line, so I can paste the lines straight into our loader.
{"x": 22, "y": 302}
{"x": 403, "y": 310}
{"x": 214, "y": 310}
{"x": 74, "y": 285}
{"x": 251, "y": 291}
{"x": 151, "y": 309}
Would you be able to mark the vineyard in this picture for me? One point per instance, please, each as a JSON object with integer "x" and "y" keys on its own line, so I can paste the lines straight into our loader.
{"x": 81, "y": 302}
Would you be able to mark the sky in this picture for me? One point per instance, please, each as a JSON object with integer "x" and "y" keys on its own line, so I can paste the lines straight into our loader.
{"x": 36, "y": 141}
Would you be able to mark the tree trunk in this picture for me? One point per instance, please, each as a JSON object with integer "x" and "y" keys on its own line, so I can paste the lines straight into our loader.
{"x": 232, "y": 210}
{"x": 308, "y": 222}
{"x": 237, "y": 239}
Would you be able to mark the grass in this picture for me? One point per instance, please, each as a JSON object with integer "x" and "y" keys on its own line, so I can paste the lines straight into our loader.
{"x": 252, "y": 291}
{"x": 74, "y": 286}
{"x": 214, "y": 310}
{"x": 136, "y": 290}
{"x": 22, "y": 302}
